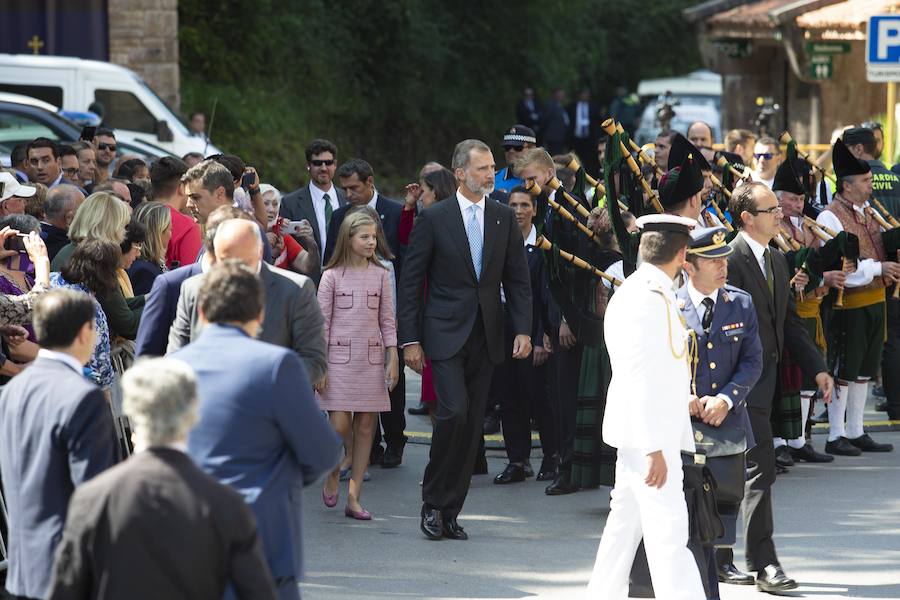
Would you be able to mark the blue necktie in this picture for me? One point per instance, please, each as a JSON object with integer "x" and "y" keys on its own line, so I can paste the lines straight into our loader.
{"x": 473, "y": 231}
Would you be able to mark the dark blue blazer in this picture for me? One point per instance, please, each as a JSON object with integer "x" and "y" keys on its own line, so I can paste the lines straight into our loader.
{"x": 389, "y": 211}
{"x": 56, "y": 432}
{"x": 260, "y": 431}
{"x": 159, "y": 310}
{"x": 730, "y": 356}
{"x": 142, "y": 274}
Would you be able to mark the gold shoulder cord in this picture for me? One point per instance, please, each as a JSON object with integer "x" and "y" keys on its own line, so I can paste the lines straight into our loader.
{"x": 690, "y": 345}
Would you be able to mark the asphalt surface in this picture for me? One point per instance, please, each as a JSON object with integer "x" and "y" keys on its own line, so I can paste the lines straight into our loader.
{"x": 837, "y": 533}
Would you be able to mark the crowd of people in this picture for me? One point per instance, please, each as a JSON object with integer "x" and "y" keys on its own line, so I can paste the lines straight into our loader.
{"x": 239, "y": 343}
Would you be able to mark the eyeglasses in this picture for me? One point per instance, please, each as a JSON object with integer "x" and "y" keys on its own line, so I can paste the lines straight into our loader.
{"x": 769, "y": 211}
{"x": 765, "y": 155}
{"x": 110, "y": 147}
{"x": 513, "y": 148}
{"x": 322, "y": 163}
{"x": 71, "y": 172}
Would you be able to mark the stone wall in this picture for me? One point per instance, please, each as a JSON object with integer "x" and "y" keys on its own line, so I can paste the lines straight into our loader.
{"x": 143, "y": 36}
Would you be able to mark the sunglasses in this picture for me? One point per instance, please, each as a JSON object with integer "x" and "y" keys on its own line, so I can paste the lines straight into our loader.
{"x": 765, "y": 155}
{"x": 513, "y": 148}
{"x": 71, "y": 172}
{"x": 110, "y": 147}
{"x": 322, "y": 163}
{"x": 769, "y": 211}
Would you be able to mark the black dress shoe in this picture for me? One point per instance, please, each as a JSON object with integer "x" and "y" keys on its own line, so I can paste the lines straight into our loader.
{"x": 773, "y": 580}
{"x": 783, "y": 457}
{"x": 432, "y": 523}
{"x": 548, "y": 468}
{"x": 511, "y": 474}
{"x": 867, "y": 444}
{"x": 453, "y": 530}
{"x": 561, "y": 485}
{"x": 393, "y": 456}
{"x": 808, "y": 454}
{"x": 480, "y": 466}
{"x": 491, "y": 425}
{"x": 731, "y": 574}
{"x": 421, "y": 409}
{"x": 842, "y": 447}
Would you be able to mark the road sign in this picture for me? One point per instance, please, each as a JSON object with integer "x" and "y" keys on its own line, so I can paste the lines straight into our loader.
{"x": 827, "y": 47}
{"x": 883, "y": 48}
{"x": 820, "y": 66}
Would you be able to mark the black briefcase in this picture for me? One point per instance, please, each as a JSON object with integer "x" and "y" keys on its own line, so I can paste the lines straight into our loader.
{"x": 704, "y": 522}
{"x": 724, "y": 448}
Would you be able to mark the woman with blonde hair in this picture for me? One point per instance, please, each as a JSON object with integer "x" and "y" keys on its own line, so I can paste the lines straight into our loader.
{"x": 151, "y": 263}
{"x": 102, "y": 216}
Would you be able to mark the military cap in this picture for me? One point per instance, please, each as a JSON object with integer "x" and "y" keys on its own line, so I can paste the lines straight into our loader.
{"x": 518, "y": 136}
{"x": 665, "y": 222}
{"x": 845, "y": 164}
{"x": 709, "y": 242}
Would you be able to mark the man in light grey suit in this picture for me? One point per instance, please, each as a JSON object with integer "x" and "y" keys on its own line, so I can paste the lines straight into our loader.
{"x": 293, "y": 318}
{"x": 316, "y": 201}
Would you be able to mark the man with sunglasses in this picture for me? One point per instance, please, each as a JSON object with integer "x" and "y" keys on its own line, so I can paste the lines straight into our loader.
{"x": 317, "y": 201}
{"x": 105, "y": 151}
{"x": 767, "y": 154}
{"x": 515, "y": 141}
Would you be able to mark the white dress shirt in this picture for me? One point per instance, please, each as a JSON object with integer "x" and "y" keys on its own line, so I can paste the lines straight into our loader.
{"x": 372, "y": 203}
{"x": 582, "y": 120}
{"x": 66, "y": 359}
{"x": 318, "y": 200}
{"x": 697, "y": 298}
{"x": 867, "y": 269}
{"x": 464, "y": 204}
{"x": 758, "y": 250}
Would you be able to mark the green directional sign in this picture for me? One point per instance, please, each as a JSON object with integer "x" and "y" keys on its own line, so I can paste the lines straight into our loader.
{"x": 827, "y": 47}
{"x": 820, "y": 67}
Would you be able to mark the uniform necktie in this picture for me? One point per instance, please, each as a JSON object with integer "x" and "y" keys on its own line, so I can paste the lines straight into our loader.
{"x": 328, "y": 209}
{"x": 708, "y": 315}
{"x": 770, "y": 280}
{"x": 473, "y": 231}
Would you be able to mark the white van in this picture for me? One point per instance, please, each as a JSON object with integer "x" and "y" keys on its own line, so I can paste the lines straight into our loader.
{"x": 699, "y": 96}
{"x": 131, "y": 108}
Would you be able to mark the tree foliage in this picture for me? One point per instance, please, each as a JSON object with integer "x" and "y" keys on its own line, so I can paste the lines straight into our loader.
{"x": 399, "y": 82}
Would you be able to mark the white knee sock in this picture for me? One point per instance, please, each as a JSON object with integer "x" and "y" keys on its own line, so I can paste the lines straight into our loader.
{"x": 778, "y": 442}
{"x": 836, "y": 411}
{"x": 856, "y": 408}
{"x": 805, "y": 401}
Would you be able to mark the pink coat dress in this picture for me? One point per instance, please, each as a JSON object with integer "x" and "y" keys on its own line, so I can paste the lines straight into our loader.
{"x": 359, "y": 323}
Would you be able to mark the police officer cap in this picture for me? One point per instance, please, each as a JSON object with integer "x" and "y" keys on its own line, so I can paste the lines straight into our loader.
{"x": 858, "y": 135}
{"x": 665, "y": 222}
{"x": 709, "y": 242}
{"x": 518, "y": 136}
{"x": 845, "y": 164}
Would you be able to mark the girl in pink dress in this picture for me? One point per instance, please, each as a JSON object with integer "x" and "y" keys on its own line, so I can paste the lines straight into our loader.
{"x": 356, "y": 299}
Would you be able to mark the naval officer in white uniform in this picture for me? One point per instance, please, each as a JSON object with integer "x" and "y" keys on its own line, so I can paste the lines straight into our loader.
{"x": 647, "y": 419}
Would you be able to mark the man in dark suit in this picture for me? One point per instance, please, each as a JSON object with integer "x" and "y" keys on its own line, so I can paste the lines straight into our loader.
{"x": 555, "y": 124}
{"x": 56, "y": 432}
{"x": 161, "y": 305}
{"x": 764, "y": 274}
{"x": 357, "y": 181}
{"x": 59, "y": 210}
{"x": 584, "y": 122}
{"x": 528, "y": 111}
{"x": 465, "y": 247}
{"x": 125, "y": 535}
{"x": 317, "y": 201}
{"x": 260, "y": 429}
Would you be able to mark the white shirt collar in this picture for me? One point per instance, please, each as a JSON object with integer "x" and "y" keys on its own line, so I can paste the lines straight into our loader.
{"x": 374, "y": 200}
{"x": 66, "y": 359}
{"x": 317, "y": 194}
{"x": 697, "y": 297}
{"x": 532, "y": 236}
{"x": 755, "y": 246}
{"x": 465, "y": 203}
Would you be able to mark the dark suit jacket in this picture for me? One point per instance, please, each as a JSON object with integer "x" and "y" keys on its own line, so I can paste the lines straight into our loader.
{"x": 529, "y": 118}
{"x": 142, "y": 274}
{"x": 732, "y": 345}
{"x": 261, "y": 432}
{"x": 298, "y": 205}
{"x": 778, "y": 320}
{"x": 160, "y": 310}
{"x": 54, "y": 238}
{"x": 439, "y": 250}
{"x": 554, "y": 128}
{"x": 389, "y": 211}
{"x": 156, "y": 526}
{"x": 56, "y": 432}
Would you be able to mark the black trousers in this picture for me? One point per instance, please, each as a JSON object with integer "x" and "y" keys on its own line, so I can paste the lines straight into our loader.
{"x": 890, "y": 359}
{"x": 523, "y": 394}
{"x": 586, "y": 149}
{"x": 394, "y": 421}
{"x": 461, "y": 384}
{"x": 565, "y": 368}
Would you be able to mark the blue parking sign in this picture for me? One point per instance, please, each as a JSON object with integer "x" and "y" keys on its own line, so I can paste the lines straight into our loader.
{"x": 883, "y": 48}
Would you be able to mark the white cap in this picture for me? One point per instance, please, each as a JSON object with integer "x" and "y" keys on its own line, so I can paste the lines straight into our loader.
{"x": 10, "y": 186}
{"x": 666, "y": 222}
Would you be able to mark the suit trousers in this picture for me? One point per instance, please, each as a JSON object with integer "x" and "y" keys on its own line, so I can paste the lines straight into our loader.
{"x": 660, "y": 515}
{"x": 759, "y": 524}
{"x": 890, "y": 360}
{"x": 393, "y": 422}
{"x": 523, "y": 394}
{"x": 461, "y": 383}
{"x": 566, "y": 367}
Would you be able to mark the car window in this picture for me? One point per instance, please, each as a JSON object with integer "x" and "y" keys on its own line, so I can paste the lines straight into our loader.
{"x": 47, "y": 93}
{"x": 123, "y": 110}
{"x": 17, "y": 128}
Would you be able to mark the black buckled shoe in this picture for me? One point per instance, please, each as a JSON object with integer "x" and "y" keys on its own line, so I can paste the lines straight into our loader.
{"x": 549, "y": 468}
{"x": 511, "y": 474}
{"x": 783, "y": 457}
{"x": 731, "y": 574}
{"x": 421, "y": 409}
{"x": 867, "y": 444}
{"x": 773, "y": 580}
{"x": 561, "y": 485}
{"x": 393, "y": 455}
{"x": 453, "y": 530}
{"x": 808, "y": 454}
{"x": 842, "y": 447}
{"x": 432, "y": 523}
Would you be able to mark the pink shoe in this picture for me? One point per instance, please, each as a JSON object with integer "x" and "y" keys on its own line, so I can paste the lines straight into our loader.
{"x": 330, "y": 500}
{"x": 362, "y": 515}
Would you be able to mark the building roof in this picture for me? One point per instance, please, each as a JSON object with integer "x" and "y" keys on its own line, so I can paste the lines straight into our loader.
{"x": 847, "y": 15}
